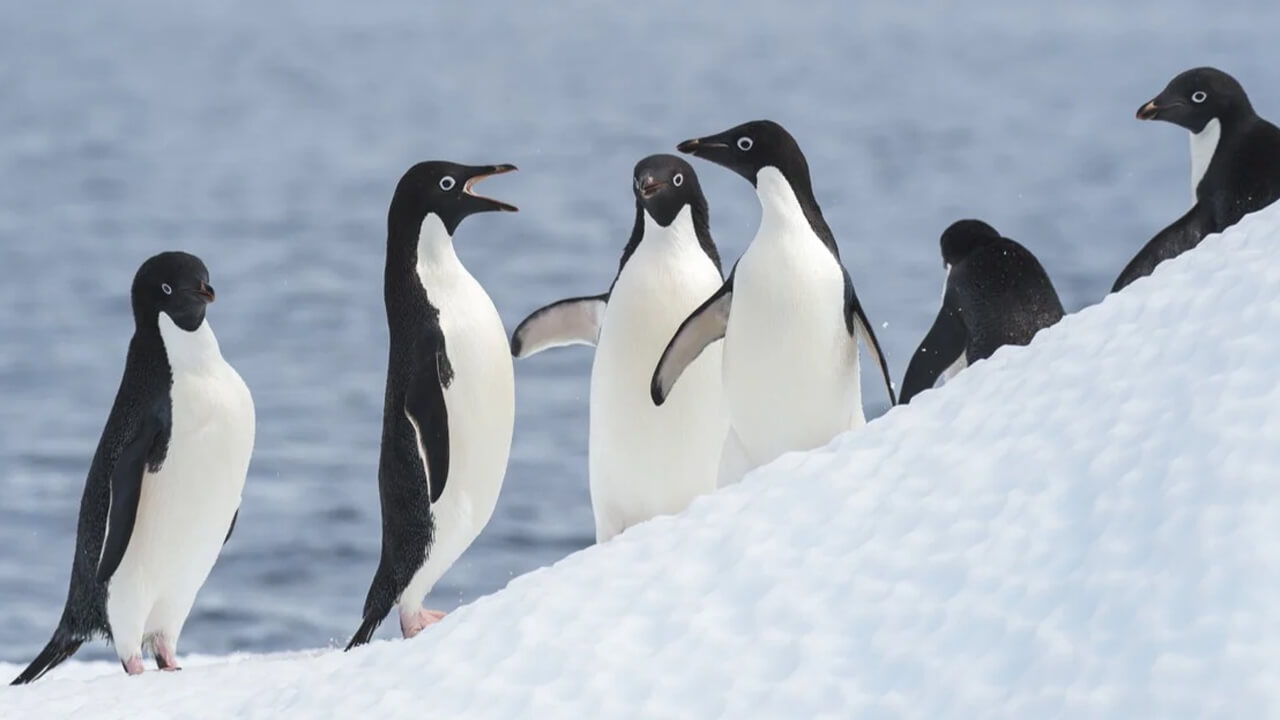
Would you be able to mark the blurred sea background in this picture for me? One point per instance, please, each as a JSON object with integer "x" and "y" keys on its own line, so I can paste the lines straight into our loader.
{"x": 267, "y": 138}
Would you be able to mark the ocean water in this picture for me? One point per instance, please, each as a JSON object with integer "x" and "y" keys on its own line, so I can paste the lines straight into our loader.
{"x": 267, "y": 138}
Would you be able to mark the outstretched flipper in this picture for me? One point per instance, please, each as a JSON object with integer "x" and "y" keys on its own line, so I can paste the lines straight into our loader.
{"x": 942, "y": 346}
{"x": 1185, "y": 233}
{"x": 574, "y": 321}
{"x": 428, "y": 417}
{"x": 703, "y": 327}
{"x": 126, "y": 488}
{"x": 855, "y": 319}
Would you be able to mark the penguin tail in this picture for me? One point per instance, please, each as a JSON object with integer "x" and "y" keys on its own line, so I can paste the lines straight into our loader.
{"x": 61, "y": 647}
{"x": 365, "y": 633}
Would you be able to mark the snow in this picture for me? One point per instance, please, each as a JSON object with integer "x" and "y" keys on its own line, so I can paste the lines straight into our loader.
{"x": 1083, "y": 527}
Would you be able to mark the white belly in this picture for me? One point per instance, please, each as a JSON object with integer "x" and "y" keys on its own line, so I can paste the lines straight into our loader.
{"x": 185, "y": 509}
{"x": 790, "y": 364}
{"x": 481, "y": 406}
{"x": 646, "y": 460}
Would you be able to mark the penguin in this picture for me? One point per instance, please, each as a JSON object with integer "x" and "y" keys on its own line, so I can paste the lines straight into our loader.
{"x": 995, "y": 293}
{"x": 164, "y": 486}
{"x": 788, "y": 313}
{"x": 1235, "y": 162}
{"x": 450, "y": 394}
{"x": 645, "y": 460}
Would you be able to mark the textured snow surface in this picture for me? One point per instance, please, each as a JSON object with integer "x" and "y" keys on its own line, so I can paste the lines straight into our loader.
{"x": 1085, "y": 527}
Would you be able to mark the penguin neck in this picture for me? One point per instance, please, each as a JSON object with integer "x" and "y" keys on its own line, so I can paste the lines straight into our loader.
{"x": 434, "y": 251}
{"x": 689, "y": 229}
{"x": 415, "y": 254}
{"x": 788, "y": 206}
{"x": 189, "y": 350}
{"x": 1203, "y": 146}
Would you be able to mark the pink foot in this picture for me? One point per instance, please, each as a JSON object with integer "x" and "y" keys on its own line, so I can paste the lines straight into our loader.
{"x": 166, "y": 659}
{"x": 414, "y": 624}
{"x": 133, "y": 665}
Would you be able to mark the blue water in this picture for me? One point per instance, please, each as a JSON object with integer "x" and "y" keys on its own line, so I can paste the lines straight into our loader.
{"x": 267, "y": 137}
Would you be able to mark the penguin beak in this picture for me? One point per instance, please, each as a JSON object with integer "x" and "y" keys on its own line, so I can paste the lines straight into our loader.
{"x": 650, "y": 187}
{"x": 698, "y": 147}
{"x": 205, "y": 292}
{"x": 1150, "y": 111}
{"x": 481, "y": 173}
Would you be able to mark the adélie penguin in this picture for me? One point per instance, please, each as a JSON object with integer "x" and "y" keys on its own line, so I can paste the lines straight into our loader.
{"x": 788, "y": 313}
{"x": 995, "y": 293}
{"x": 450, "y": 396}
{"x": 645, "y": 460}
{"x": 1235, "y": 162}
{"x": 164, "y": 485}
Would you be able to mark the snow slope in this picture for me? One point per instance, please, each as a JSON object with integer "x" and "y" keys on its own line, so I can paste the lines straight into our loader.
{"x": 1080, "y": 528}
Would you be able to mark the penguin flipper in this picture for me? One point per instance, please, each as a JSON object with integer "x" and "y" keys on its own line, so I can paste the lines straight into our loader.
{"x": 572, "y": 321}
{"x": 856, "y": 321}
{"x": 942, "y": 346}
{"x": 425, "y": 408}
{"x": 703, "y": 326}
{"x": 1183, "y": 234}
{"x": 126, "y": 488}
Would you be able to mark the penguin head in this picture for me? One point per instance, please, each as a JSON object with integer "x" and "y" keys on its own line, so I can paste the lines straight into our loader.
{"x": 1195, "y": 97}
{"x": 664, "y": 185}
{"x": 751, "y": 147}
{"x": 963, "y": 237}
{"x": 444, "y": 189}
{"x": 173, "y": 283}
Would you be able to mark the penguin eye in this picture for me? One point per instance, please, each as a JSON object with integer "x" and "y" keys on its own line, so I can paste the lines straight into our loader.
{"x": 745, "y": 143}
{"x": 678, "y": 180}
{"x": 164, "y": 288}
{"x": 447, "y": 183}
{"x": 1199, "y": 96}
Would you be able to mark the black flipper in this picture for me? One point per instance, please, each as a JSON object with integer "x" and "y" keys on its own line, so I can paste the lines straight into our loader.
{"x": 1185, "y": 233}
{"x": 58, "y": 649}
{"x": 942, "y": 346}
{"x": 126, "y": 488}
{"x": 855, "y": 319}
{"x": 573, "y": 321}
{"x": 425, "y": 408}
{"x": 703, "y": 327}
{"x": 231, "y": 529}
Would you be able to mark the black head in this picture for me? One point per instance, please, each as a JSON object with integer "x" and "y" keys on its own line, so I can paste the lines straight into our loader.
{"x": 1197, "y": 96}
{"x": 963, "y": 237}
{"x": 174, "y": 283}
{"x": 445, "y": 189}
{"x": 664, "y": 185}
{"x": 749, "y": 147}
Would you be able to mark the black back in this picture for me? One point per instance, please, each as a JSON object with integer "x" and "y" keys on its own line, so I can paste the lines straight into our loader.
{"x": 137, "y": 434}
{"x": 1243, "y": 176}
{"x": 996, "y": 294}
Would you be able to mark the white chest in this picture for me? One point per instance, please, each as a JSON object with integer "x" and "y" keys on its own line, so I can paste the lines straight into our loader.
{"x": 645, "y": 459}
{"x": 1203, "y": 145}
{"x": 790, "y": 364}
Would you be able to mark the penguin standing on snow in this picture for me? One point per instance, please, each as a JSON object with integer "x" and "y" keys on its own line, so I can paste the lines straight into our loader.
{"x": 996, "y": 293}
{"x": 788, "y": 314}
{"x": 164, "y": 486}
{"x": 450, "y": 396}
{"x": 1235, "y": 162}
{"x": 646, "y": 460}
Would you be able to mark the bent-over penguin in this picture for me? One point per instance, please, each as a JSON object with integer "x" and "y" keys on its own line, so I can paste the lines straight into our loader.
{"x": 450, "y": 395}
{"x": 1235, "y": 162}
{"x": 645, "y": 460}
{"x": 164, "y": 485}
{"x": 788, "y": 313}
{"x": 995, "y": 293}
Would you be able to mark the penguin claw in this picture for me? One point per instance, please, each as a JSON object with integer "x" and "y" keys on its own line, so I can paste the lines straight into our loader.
{"x": 415, "y": 624}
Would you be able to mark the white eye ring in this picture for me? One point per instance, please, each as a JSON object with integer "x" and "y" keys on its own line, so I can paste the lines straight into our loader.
{"x": 1199, "y": 96}
{"x": 678, "y": 180}
{"x": 745, "y": 143}
{"x": 447, "y": 183}
{"x": 164, "y": 288}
